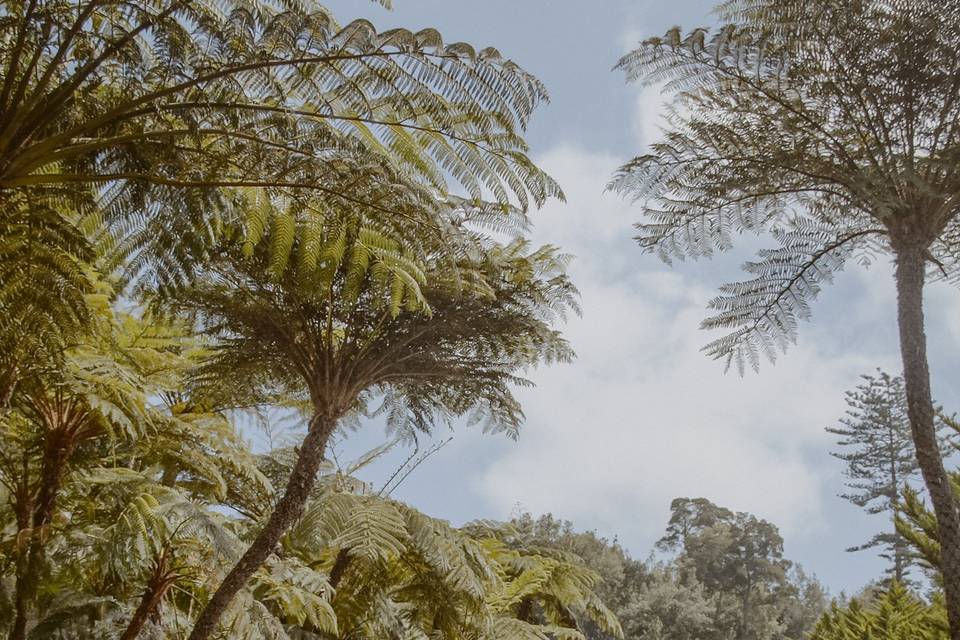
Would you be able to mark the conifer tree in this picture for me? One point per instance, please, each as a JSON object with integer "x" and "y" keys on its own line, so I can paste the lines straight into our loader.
{"x": 880, "y": 460}
{"x": 916, "y": 522}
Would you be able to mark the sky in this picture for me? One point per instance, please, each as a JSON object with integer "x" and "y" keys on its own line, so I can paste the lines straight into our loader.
{"x": 642, "y": 416}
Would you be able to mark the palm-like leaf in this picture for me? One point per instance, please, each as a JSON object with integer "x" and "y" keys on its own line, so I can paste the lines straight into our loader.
{"x": 840, "y": 142}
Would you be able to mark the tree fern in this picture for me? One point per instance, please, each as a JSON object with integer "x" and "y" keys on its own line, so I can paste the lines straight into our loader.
{"x": 894, "y": 614}
{"x": 833, "y": 128}
{"x": 124, "y": 160}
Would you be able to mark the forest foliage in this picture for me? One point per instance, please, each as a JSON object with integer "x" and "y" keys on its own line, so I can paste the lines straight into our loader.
{"x": 217, "y": 212}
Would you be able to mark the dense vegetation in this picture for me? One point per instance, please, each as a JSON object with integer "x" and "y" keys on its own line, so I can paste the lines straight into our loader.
{"x": 723, "y": 576}
{"x": 213, "y": 212}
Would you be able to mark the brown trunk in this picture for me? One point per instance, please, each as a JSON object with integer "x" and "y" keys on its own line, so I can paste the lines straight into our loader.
{"x": 56, "y": 455}
{"x": 339, "y": 567}
{"x": 744, "y": 609}
{"x": 148, "y": 604}
{"x": 525, "y": 610}
{"x": 288, "y": 510}
{"x": 910, "y": 273}
{"x": 160, "y": 582}
{"x": 59, "y": 448}
{"x": 8, "y": 385}
{"x": 19, "y": 630}
{"x": 169, "y": 477}
{"x": 23, "y": 508}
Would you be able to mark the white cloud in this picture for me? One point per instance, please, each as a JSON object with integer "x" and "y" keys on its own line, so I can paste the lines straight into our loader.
{"x": 643, "y": 416}
{"x": 631, "y": 37}
{"x": 649, "y": 111}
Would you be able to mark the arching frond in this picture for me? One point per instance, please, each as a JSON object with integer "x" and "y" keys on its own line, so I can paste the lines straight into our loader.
{"x": 781, "y": 115}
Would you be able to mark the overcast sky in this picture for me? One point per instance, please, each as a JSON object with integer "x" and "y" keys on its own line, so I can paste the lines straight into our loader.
{"x": 641, "y": 416}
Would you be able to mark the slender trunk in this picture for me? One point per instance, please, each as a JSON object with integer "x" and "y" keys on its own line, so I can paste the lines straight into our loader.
{"x": 916, "y": 375}
{"x": 23, "y": 509}
{"x": 567, "y": 618}
{"x": 287, "y": 512}
{"x": 169, "y": 477}
{"x": 717, "y": 611}
{"x": 147, "y": 606}
{"x": 898, "y": 559}
{"x": 161, "y": 579}
{"x": 8, "y": 385}
{"x": 525, "y": 610}
{"x": 56, "y": 455}
{"x": 744, "y": 609}
{"x": 20, "y": 621}
{"x": 339, "y": 567}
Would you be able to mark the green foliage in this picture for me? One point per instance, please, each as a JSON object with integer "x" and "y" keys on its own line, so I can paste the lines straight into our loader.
{"x": 85, "y": 514}
{"x": 162, "y": 494}
{"x": 698, "y": 593}
{"x": 127, "y": 490}
{"x": 735, "y": 554}
{"x": 123, "y": 125}
{"x": 895, "y": 615}
{"x": 917, "y": 523}
{"x": 620, "y": 575}
{"x": 46, "y": 284}
{"x": 880, "y": 459}
{"x": 668, "y": 606}
{"x": 428, "y": 329}
{"x": 255, "y": 82}
{"x": 214, "y": 208}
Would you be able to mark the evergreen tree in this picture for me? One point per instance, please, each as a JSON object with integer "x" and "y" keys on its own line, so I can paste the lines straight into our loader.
{"x": 727, "y": 578}
{"x": 738, "y": 560}
{"x": 879, "y": 455}
{"x": 917, "y": 523}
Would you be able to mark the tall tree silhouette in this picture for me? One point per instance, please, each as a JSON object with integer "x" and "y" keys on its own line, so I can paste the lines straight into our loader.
{"x": 835, "y": 128}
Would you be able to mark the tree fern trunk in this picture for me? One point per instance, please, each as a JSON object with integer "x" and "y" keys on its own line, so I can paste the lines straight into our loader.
{"x": 916, "y": 374}
{"x": 19, "y": 629}
{"x": 148, "y": 604}
{"x": 288, "y": 510}
{"x": 161, "y": 579}
{"x": 340, "y": 565}
{"x": 57, "y": 453}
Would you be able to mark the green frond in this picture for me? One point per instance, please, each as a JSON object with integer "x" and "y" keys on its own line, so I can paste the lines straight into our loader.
{"x": 896, "y": 614}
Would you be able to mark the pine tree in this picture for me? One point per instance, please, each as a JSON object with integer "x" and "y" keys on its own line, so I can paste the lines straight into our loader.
{"x": 917, "y": 523}
{"x": 880, "y": 460}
